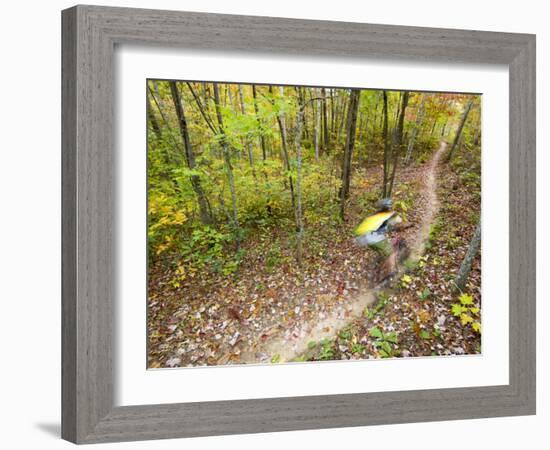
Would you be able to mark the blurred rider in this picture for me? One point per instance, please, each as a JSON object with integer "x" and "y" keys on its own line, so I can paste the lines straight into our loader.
{"x": 375, "y": 232}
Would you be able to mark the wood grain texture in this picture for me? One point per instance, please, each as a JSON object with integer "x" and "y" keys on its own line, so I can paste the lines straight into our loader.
{"x": 89, "y": 36}
{"x": 68, "y": 226}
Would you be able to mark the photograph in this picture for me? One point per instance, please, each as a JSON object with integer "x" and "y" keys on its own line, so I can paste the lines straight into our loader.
{"x": 298, "y": 224}
{"x": 267, "y": 225}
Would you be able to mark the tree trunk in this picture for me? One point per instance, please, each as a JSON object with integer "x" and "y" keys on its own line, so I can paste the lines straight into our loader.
{"x": 229, "y": 95}
{"x": 333, "y": 113}
{"x": 284, "y": 145}
{"x": 325, "y": 121}
{"x": 190, "y": 155}
{"x": 434, "y": 125}
{"x": 360, "y": 127}
{"x": 444, "y": 128}
{"x": 477, "y": 136}
{"x": 153, "y": 119}
{"x": 376, "y": 121}
{"x": 229, "y": 168}
{"x": 386, "y": 143}
{"x": 342, "y": 120}
{"x": 397, "y": 109}
{"x": 260, "y": 127}
{"x": 300, "y": 95}
{"x": 158, "y": 96}
{"x": 363, "y": 119}
{"x": 247, "y": 141}
{"x": 262, "y": 144}
{"x": 466, "y": 266}
{"x": 177, "y": 154}
{"x": 459, "y": 130}
{"x": 417, "y": 125}
{"x": 398, "y": 138}
{"x": 228, "y": 98}
{"x": 317, "y": 127}
{"x": 298, "y": 213}
{"x": 348, "y": 151}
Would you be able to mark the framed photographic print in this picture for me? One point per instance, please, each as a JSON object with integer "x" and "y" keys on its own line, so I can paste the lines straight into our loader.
{"x": 268, "y": 229}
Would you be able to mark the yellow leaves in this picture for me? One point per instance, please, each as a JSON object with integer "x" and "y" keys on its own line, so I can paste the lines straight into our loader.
{"x": 179, "y": 276}
{"x": 401, "y": 206}
{"x": 457, "y": 309}
{"x": 467, "y": 312}
{"x": 466, "y": 299}
{"x": 365, "y": 184}
{"x": 422, "y": 261}
{"x": 164, "y": 224}
{"x": 174, "y": 217}
{"x": 168, "y": 242}
{"x": 406, "y": 280}
{"x": 466, "y": 319}
{"x": 165, "y": 217}
{"x": 179, "y": 218}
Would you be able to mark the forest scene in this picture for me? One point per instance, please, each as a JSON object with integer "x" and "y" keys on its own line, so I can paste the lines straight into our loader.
{"x": 297, "y": 224}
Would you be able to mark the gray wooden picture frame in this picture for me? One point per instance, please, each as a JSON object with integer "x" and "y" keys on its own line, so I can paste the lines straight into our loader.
{"x": 90, "y": 34}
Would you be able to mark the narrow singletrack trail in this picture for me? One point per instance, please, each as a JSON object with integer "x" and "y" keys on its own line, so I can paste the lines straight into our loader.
{"x": 432, "y": 204}
{"x": 290, "y": 347}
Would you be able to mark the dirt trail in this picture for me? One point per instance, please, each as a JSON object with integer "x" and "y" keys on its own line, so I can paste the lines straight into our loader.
{"x": 432, "y": 204}
{"x": 290, "y": 347}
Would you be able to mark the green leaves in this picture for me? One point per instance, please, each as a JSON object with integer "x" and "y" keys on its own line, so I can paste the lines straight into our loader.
{"x": 424, "y": 334}
{"x": 376, "y": 333}
{"x": 385, "y": 348}
{"x": 357, "y": 348}
{"x": 368, "y": 313}
{"x": 185, "y": 173}
{"x": 327, "y": 350}
{"x": 383, "y": 341}
{"x": 345, "y": 334}
{"x": 424, "y": 294}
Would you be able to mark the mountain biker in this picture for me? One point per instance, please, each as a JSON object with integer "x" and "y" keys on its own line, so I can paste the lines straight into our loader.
{"x": 376, "y": 232}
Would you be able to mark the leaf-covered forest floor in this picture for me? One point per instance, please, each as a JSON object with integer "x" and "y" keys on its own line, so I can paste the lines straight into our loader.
{"x": 272, "y": 310}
